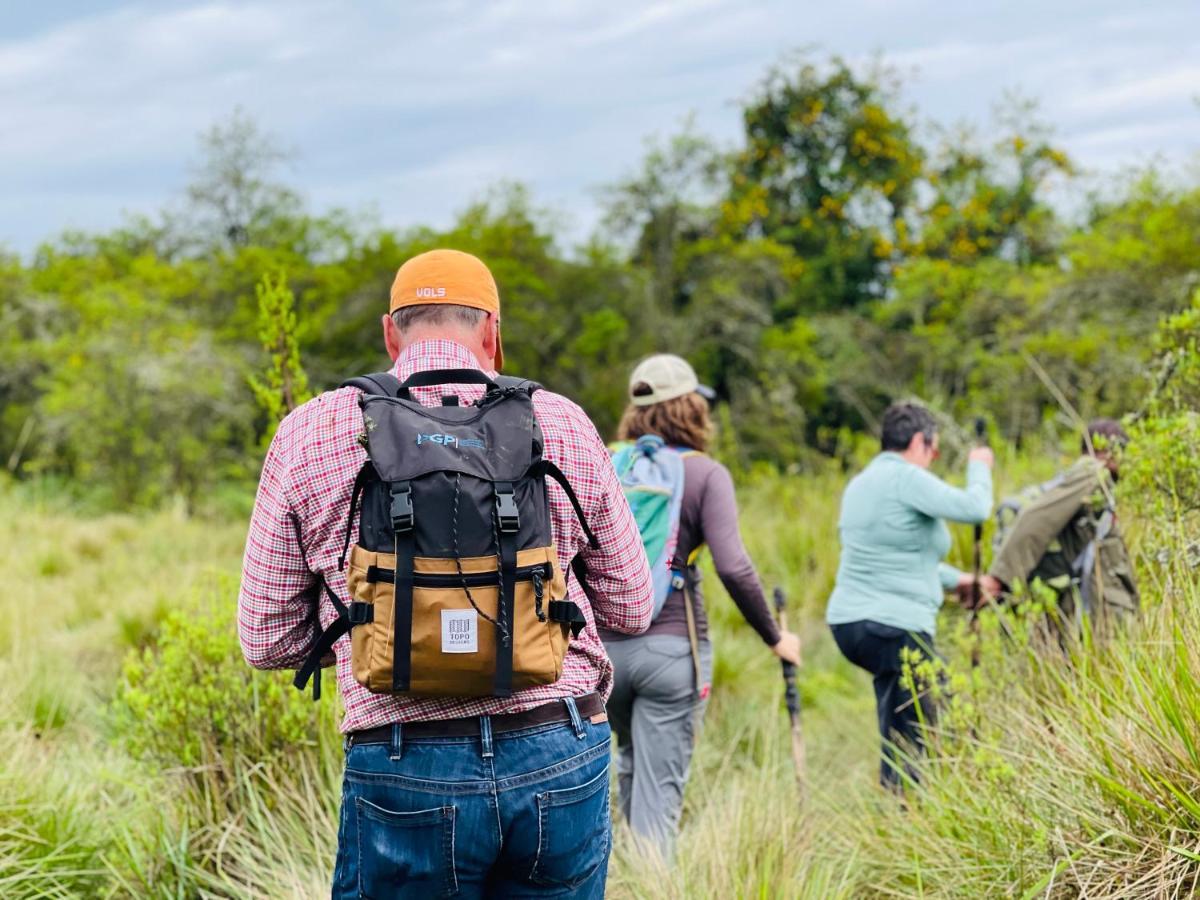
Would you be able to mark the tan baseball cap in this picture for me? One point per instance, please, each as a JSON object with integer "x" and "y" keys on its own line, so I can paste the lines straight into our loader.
{"x": 447, "y": 276}
{"x": 667, "y": 376}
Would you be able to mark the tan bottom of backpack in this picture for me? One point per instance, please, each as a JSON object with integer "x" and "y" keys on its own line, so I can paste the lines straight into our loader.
{"x": 454, "y": 648}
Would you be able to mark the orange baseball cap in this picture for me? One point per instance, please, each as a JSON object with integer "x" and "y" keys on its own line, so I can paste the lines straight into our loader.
{"x": 447, "y": 276}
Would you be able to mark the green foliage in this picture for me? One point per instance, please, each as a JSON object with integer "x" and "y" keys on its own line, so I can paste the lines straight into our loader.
{"x": 992, "y": 203}
{"x": 1160, "y": 469}
{"x": 191, "y": 700}
{"x": 829, "y": 166}
{"x": 141, "y": 400}
{"x": 235, "y": 201}
{"x": 832, "y": 260}
{"x": 667, "y": 206}
{"x": 284, "y": 385}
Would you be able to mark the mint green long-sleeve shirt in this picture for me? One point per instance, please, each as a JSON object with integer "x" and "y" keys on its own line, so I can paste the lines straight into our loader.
{"x": 894, "y": 538}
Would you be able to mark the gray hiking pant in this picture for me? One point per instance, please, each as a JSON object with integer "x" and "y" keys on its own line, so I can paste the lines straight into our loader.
{"x": 655, "y": 711}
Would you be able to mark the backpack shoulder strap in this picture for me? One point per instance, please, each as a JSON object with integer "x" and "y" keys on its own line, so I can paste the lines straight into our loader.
{"x": 543, "y": 468}
{"x": 381, "y": 384}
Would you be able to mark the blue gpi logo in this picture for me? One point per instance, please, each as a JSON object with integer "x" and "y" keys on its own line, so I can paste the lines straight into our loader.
{"x": 450, "y": 440}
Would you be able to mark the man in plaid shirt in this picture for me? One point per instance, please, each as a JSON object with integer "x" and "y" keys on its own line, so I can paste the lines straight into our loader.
{"x": 488, "y": 796}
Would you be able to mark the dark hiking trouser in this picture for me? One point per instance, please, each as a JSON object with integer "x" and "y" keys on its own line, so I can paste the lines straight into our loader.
{"x": 878, "y": 648}
{"x": 655, "y": 711}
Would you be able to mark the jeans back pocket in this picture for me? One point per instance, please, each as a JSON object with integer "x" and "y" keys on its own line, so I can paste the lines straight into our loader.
{"x": 573, "y": 833}
{"x": 405, "y": 854}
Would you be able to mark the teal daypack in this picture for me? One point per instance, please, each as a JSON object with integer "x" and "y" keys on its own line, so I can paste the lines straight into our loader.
{"x": 651, "y": 475}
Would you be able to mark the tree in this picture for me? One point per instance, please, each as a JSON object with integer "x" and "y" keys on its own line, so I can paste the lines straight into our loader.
{"x": 669, "y": 204}
{"x": 284, "y": 386}
{"x": 1160, "y": 471}
{"x": 712, "y": 296}
{"x": 992, "y": 202}
{"x": 140, "y": 402}
{"x": 235, "y": 200}
{"x": 29, "y": 323}
{"x": 829, "y": 169}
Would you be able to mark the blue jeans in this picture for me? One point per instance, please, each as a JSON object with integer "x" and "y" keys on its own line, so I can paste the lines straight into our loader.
{"x": 521, "y": 814}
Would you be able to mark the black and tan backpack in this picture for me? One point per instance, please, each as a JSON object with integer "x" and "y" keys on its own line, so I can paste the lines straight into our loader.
{"x": 454, "y": 583}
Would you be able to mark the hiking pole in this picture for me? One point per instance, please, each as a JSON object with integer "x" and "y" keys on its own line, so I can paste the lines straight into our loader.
{"x": 976, "y": 589}
{"x": 791, "y": 697}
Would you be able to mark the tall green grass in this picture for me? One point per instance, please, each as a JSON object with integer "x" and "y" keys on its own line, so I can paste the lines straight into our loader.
{"x": 1048, "y": 775}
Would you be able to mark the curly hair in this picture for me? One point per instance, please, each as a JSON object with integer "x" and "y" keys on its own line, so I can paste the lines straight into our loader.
{"x": 683, "y": 421}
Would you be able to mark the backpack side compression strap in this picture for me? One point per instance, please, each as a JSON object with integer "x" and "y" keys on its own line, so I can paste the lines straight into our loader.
{"x": 571, "y": 613}
{"x": 568, "y": 613}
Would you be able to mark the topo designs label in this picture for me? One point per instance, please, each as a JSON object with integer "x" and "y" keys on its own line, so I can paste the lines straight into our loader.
{"x": 460, "y": 631}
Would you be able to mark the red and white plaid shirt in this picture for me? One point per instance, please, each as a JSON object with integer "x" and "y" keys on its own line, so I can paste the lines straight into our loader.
{"x": 299, "y": 525}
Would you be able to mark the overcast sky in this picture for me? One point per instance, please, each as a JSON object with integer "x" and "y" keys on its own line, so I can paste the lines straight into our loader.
{"x": 415, "y": 107}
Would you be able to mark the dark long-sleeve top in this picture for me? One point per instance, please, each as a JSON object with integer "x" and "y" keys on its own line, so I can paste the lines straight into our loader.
{"x": 709, "y": 516}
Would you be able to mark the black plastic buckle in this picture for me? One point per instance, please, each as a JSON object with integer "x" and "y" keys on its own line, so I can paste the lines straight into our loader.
{"x": 507, "y": 512}
{"x": 402, "y": 508}
{"x": 361, "y": 613}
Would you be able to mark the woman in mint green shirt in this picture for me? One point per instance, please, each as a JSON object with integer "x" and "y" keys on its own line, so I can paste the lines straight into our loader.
{"x": 891, "y": 576}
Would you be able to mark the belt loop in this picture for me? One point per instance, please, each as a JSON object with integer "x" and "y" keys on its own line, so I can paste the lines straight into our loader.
{"x": 485, "y": 736}
{"x": 576, "y": 720}
{"x": 397, "y": 747}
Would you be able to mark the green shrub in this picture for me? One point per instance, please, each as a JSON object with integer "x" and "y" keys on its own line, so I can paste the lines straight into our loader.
{"x": 191, "y": 700}
{"x": 51, "y": 564}
{"x": 1161, "y": 472}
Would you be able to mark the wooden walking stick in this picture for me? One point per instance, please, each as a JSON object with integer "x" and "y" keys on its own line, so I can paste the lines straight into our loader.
{"x": 976, "y": 590}
{"x": 791, "y": 698}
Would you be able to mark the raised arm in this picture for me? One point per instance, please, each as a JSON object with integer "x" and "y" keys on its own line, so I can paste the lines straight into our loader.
{"x": 929, "y": 494}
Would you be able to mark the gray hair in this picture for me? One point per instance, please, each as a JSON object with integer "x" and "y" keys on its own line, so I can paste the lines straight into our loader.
{"x": 904, "y": 421}
{"x": 437, "y": 314}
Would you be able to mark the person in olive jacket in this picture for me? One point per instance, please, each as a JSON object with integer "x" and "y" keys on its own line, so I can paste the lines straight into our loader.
{"x": 1068, "y": 537}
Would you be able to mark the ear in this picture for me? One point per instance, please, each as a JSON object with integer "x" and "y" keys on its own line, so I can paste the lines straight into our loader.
{"x": 490, "y": 329}
{"x": 392, "y": 341}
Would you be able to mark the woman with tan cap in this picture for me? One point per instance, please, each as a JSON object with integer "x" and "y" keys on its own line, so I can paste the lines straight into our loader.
{"x": 663, "y": 676}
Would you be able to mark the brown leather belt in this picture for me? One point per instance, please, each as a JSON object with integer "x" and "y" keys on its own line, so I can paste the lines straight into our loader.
{"x": 590, "y": 706}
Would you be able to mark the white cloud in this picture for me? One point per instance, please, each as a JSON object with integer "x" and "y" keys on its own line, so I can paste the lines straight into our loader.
{"x": 417, "y": 107}
{"x": 640, "y": 20}
{"x": 1133, "y": 140}
{"x": 1177, "y": 85}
